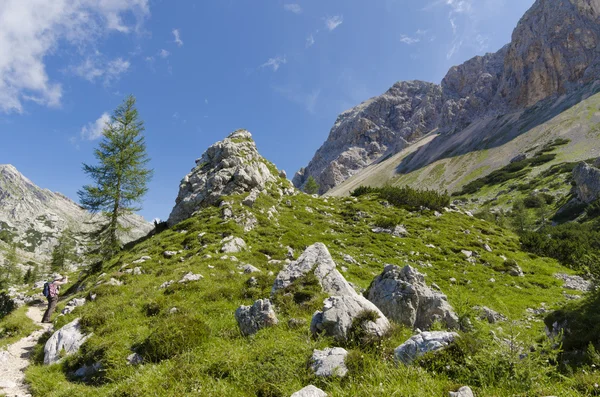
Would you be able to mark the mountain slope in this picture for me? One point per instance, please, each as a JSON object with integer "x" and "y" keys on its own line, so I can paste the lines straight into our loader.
{"x": 33, "y": 218}
{"x": 554, "y": 52}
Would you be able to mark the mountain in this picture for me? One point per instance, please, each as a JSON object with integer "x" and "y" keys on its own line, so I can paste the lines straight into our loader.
{"x": 551, "y": 64}
{"x": 34, "y": 218}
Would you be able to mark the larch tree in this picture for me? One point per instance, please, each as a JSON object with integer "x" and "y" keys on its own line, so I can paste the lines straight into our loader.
{"x": 120, "y": 179}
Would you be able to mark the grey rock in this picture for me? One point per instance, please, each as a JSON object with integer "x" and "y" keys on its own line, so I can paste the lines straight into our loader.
{"x": 348, "y": 259}
{"x": 190, "y": 277}
{"x": 166, "y": 284}
{"x": 134, "y": 359}
{"x": 232, "y": 166}
{"x": 137, "y": 271}
{"x": 403, "y": 296}
{"x": 338, "y": 313}
{"x": 64, "y": 342}
{"x": 464, "y": 391}
{"x": 251, "y": 198}
{"x": 310, "y": 391}
{"x": 485, "y": 313}
{"x": 233, "y": 244}
{"x": 423, "y": 343}
{"x": 587, "y": 182}
{"x": 519, "y": 157}
{"x": 88, "y": 370}
{"x": 329, "y": 362}
{"x": 317, "y": 259}
{"x": 114, "y": 282}
{"x": 516, "y": 271}
{"x": 72, "y": 304}
{"x": 487, "y": 248}
{"x": 575, "y": 283}
{"x": 169, "y": 254}
{"x": 250, "y": 269}
{"x": 253, "y": 318}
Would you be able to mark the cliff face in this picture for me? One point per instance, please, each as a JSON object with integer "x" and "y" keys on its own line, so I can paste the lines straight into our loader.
{"x": 555, "y": 49}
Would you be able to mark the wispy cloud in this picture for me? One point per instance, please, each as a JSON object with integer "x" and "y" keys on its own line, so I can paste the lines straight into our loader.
{"x": 295, "y": 8}
{"x": 275, "y": 63}
{"x": 177, "y": 36}
{"x": 333, "y": 22}
{"x": 420, "y": 35}
{"x": 96, "y": 68}
{"x": 37, "y": 28}
{"x": 164, "y": 53}
{"x": 310, "y": 40}
{"x": 409, "y": 40}
{"x": 94, "y": 130}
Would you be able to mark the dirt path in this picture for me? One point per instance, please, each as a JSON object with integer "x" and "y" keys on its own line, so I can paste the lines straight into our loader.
{"x": 15, "y": 358}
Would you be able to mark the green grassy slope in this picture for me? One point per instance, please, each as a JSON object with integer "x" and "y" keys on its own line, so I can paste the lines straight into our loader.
{"x": 198, "y": 350}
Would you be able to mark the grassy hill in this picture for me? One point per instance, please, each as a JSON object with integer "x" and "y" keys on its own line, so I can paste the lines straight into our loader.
{"x": 191, "y": 344}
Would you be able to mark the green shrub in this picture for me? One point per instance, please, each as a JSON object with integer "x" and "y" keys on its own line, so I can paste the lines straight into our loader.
{"x": 174, "y": 335}
{"x": 387, "y": 222}
{"x": 407, "y": 197}
{"x": 7, "y": 305}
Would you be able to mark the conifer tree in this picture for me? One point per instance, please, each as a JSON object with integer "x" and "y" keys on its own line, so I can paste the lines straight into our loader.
{"x": 121, "y": 177}
{"x": 63, "y": 252}
{"x": 311, "y": 187}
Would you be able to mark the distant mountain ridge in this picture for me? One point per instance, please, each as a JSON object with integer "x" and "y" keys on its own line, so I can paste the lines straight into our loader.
{"x": 555, "y": 51}
{"x": 33, "y": 218}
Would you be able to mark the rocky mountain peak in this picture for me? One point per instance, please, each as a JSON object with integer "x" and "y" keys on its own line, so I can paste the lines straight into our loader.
{"x": 555, "y": 50}
{"x": 230, "y": 166}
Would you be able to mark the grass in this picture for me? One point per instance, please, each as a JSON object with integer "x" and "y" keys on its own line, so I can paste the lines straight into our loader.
{"x": 199, "y": 351}
{"x": 15, "y": 326}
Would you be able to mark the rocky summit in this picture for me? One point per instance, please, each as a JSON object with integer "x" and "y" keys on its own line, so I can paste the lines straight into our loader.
{"x": 34, "y": 218}
{"x": 231, "y": 166}
{"x": 554, "y": 52}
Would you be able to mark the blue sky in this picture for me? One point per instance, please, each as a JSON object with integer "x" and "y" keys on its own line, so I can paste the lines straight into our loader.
{"x": 200, "y": 69}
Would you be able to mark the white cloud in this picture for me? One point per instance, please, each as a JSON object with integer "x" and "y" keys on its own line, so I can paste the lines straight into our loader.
{"x": 30, "y": 30}
{"x": 295, "y": 8}
{"x": 333, "y": 22}
{"x": 164, "y": 53}
{"x": 409, "y": 40}
{"x": 419, "y": 36}
{"x": 274, "y": 63}
{"x": 206, "y": 101}
{"x": 96, "y": 68}
{"x": 310, "y": 41}
{"x": 460, "y": 6}
{"x": 93, "y": 130}
{"x": 177, "y": 36}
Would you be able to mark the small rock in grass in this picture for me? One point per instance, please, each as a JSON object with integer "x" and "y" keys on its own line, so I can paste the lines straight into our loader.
{"x": 310, "y": 391}
{"x": 190, "y": 277}
{"x": 464, "y": 391}
{"x": 253, "y": 318}
{"x": 329, "y": 362}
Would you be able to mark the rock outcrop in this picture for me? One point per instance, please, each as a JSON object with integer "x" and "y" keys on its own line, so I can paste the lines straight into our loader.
{"x": 339, "y": 314}
{"x": 252, "y": 319}
{"x": 555, "y": 50}
{"x": 231, "y": 166}
{"x": 402, "y": 295}
{"x": 316, "y": 259}
{"x": 587, "y": 182}
{"x": 423, "y": 343}
{"x": 64, "y": 342}
{"x": 35, "y": 218}
{"x": 329, "y": 362}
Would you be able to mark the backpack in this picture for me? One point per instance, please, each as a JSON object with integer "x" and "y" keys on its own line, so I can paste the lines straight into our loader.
{"x": 50, "y": 290}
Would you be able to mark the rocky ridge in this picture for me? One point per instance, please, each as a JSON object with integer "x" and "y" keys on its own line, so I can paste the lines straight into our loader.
{"x": 34, "y": 218}
{"x": 554, "y": 51}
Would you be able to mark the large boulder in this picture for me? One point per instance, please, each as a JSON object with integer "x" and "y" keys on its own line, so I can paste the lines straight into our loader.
{"x": 329, "y": 362}
{"x": 310, "y": 391}
{"x": 402, "y": 295}
{"x": 232, "y": 166}
{"x": 232, "y": 245}
{"x": 423, "y": 343}
{"x": 340, "y": 312}
{"x": 64, "y": 342}
{"x": 316, "y": 259}
{"x": 253, "y": 318}
{"x": 587, "y": 182}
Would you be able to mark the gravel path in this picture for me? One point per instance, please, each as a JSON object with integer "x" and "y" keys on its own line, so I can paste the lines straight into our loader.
{"x": 15, "y": 358}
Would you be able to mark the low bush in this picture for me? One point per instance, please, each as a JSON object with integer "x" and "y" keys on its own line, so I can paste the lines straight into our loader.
{"x": 174, "y": 335}
{"x": 407, "y": 197}
{"x": 7, "y": 305}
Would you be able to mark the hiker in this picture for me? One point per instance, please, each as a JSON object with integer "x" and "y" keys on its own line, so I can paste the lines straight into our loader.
{"x": 51, "y": 293}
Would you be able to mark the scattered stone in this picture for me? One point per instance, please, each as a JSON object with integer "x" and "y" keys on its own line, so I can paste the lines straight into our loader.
{"x": 402, "y": 295}
{"x": 398, "y": 231}
{"x": 72, "y": 304}
{"x": 575, "y": 283}
{"x": 466, "y": 253}
{"x": 485, "y": 313}
{"x": 64, "y": 342}
{"x": 142, "y": 260}
{"x": 295, "y": 323}
{"x": 114, "y": 282}
{"x": 88, "y": 370}
{"x": 137, "y": 271}
{"x": 348, "y": 259}
{"x": 516, "y": 271}
{"x": 487, "y": 248}
{"x": 250, "y": 269}
{"x": 329, "y": 362}
{"x": 190, "y": 277}
{"x": 464, "y": 391}
{"x": 232, "y": 245}
{"x": 469, "y": 213}
{"x": 251, "y": 198}
{"x": 317, "y": 259}
{"x": 339, "y": 312}
{"x": 252, "y": 282}
{"x": 310, "y": 391}
{"x": 290, "y": 253}
{"x": 135, "y": 359}
{"x": 169, "y": 254}
{"x": 253, "y": 318}
{"x": 166, "y": 284}
{"x": 173, "y": 310}
{"x": 423, "y": 343}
